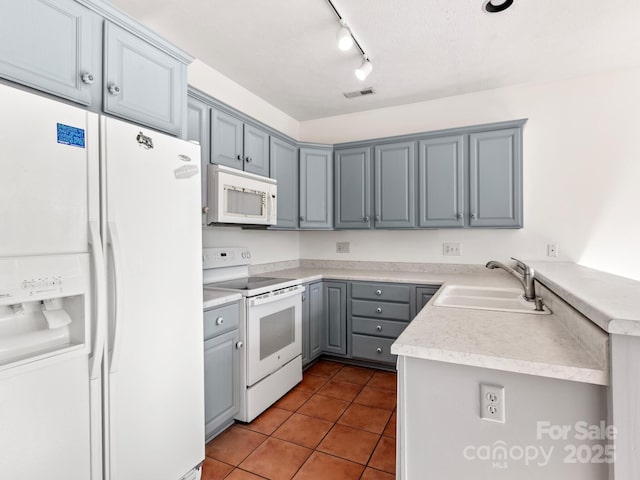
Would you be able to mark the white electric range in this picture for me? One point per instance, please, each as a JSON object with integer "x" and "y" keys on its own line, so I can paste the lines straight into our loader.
{"x": 271, "y": 329}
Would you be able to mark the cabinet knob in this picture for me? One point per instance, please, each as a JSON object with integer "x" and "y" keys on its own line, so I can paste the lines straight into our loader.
{"x": 219, "y": 321}
{"x": 239, "y": 345}
{"x": 379, "y": 310}
{"x": 379, "y": 328}
{"x": 87, "y": 78}
{"x": 249, "y": 159}
{"x": 377, "y": 218}
{"x": 205, "y": 209}
{"x": 301, "y": 218}
{"x": 473, "y": 215}
{"x": 239, "y": 157}
{"x": 459, "y": 216}
{"x": 378, "y": 292}
{"x": 304, "y": 297}
{"x": 379, "y": 350}
{"x": 113, "y": 89}
{"x": 366, "y": 218}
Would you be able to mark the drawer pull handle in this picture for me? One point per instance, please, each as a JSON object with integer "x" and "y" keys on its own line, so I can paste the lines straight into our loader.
{"x": 378, "y": 292}
{"x": 379, "y": 350}
{"x": 379, "y": 310}
{"x": 379, "y": 328}
{"x": 219, "y": 321}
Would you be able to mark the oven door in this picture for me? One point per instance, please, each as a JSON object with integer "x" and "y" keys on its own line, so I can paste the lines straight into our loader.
{"x": 274, "y": 332}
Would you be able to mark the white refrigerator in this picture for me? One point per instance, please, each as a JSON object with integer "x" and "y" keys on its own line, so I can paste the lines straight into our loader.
{"x": 101, "y": 369}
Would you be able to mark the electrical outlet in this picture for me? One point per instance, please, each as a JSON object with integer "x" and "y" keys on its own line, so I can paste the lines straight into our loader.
{"x": 552, "y": 250}
{"x": 343, "y": 247}
{"x": 451, "y": 249}
{"x": 492, "y": 403}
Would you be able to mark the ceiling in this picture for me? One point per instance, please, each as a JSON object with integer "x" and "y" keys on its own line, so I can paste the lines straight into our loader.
{"x": 285, "y": 51}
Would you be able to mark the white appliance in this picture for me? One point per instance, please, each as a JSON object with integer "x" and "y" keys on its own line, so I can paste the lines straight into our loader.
{"x": 271, "y": 330}
{"x": 100, "y": 291}
{"x": 235, "y": 196}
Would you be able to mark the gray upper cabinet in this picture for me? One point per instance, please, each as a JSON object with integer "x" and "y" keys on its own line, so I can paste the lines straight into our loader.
{"x": 226, "y": 140}
{"x": 142, "y": 83}
{"x": 198, "y": 131}
{"x": 52, "y": 46}
{"x": 495, "y": 178}
{"x": 394, "y": 185}
{"x": 284, "y": 168}
{"x": 256, "y": 151}
{"x": 316, "y": 188}
{"x": 353, "y": 188}
{"x": 441, "y": 182}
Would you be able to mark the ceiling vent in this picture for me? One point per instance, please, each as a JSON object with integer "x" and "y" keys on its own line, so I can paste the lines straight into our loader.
{"x": 360, "y": 93}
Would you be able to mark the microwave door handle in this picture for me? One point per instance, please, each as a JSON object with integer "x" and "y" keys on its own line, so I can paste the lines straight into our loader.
{"x": 254, "y": 302}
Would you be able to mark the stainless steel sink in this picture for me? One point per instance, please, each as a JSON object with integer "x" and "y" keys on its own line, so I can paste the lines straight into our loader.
{"x": 487, "y": 298}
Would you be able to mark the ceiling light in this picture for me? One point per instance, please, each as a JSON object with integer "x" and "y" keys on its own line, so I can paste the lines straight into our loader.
{"x": 496, "y": 6}
{"x": 345, "y": 40}
{"x": 365, "y": 68}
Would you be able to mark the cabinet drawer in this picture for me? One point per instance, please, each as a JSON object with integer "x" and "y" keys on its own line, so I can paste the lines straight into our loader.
{"x": 377, "y": 291}
{"x": 367, "y": 308}
{"x": 378, "y": 328}
{"x": 372, "y": 348}
{"x": 221, "y": 319}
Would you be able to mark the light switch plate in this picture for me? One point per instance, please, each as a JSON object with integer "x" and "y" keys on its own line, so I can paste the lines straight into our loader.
{"x": 492, "y": 403}
{"x": 451, "y": 249}
{"x": 343, "y": 247}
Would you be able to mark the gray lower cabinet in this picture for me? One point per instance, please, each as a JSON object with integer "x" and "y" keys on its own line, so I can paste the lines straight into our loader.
{"x": 238, "y": 145}
{"x": 334, "y": 332}
{"x": 441, "y": 182}
{"x": 142, "y": 83}
{"x": 198, "y": 114}
{"x": 53, "y": 47}
{"x": 313, "y": 321}
{"x": 423, "y": 295}
{"x": 284, "y": 168}
{"x": 353, "y": 188}
{"x": 221, "y": 368}
{"x": 316, "y": 188}
{"x": 495, "y": 178}
{"x": 394, "y": 185}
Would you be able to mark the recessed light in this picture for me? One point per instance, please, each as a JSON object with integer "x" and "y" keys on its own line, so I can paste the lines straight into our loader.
{"x": 496, "y": 6}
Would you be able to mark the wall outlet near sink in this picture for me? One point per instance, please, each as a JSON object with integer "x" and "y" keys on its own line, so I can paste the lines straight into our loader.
{"x": 552, "y": 250}
{"x": 492, "y": 403}
{"x": 343, "y": 247}
{"x": 451, "y": 249}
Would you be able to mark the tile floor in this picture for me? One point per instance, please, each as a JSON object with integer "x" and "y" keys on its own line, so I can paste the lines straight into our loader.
{"x": 339, "y": 423}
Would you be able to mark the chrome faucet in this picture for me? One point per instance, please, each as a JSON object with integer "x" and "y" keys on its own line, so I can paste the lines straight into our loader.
{"x": 525, "y": 276}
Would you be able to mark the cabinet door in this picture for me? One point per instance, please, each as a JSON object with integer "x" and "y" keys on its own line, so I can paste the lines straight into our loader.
{"x": 226, "y": 140}
{"x": 305, "y": 327}
{"x": 198, "y": 131}
{"x": 316, "y": 189}
{"x": 256, "y": 151}
{"x": 142, "y": 83}
{"x": 495, "y": 178}
{"x": 353, "y": 188}
{"x": 51, "y": 46}
{"x": 334, "y": 335}
{"x": 441, "y": 182}
{"x": 423, "y": 295}
{"x": 284, "y": 168}
{"x": 221, "y": 380}
{"x": 316, "y": 315}
{"x": 395, "y": 185}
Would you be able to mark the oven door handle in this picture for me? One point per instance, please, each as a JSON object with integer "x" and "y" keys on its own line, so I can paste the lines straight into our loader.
{"x": 275, "y": 297}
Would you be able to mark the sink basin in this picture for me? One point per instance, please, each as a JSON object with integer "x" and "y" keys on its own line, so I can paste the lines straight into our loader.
{"x": 487, "y": 298}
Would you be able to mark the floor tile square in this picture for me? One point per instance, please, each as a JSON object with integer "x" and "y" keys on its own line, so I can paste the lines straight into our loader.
{"x": 340, "y": 390}
{"x": 238, "y": 474}
{"x": 311, "y": 383}
{"x": 325, "y": 467}
{"x": 349, "y": 443}
{"x": 390, "y": 429}
{"x": 376, "y": 397}
{"x": 323, "y": 368}
{"x": 214, "y": 470}
{"x": 372, "y": 474}
{"x": 234, "y": 445}
{"x": 385, "y": 380}
{"x": 366, "y": 418}
{"x": 303, "y": 430}
{"x": 293, "y": 400}
{"x": 325, "y": 408}
{"x": 276, "y": 459}
{"x": 356, "y": 375}
{"x": 384, "y": 456}
{"x": 269, "y": 420}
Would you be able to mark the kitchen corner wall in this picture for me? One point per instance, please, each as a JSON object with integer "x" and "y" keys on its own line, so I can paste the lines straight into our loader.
{"x": 581, "y": 173}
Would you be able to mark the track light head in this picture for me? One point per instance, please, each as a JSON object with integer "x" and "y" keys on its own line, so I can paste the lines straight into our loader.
{"x": 345, "y": 40}
{"x": 365, "y": 68}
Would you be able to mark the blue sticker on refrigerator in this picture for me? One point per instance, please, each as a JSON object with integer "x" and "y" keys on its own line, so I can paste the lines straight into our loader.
{"x": 68, "y": 135}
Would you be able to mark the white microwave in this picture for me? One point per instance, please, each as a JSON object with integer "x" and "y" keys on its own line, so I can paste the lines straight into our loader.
{"x": 235, "y": 196}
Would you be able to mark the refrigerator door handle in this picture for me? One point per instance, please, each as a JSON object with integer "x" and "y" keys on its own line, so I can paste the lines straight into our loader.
{"x": 100, "y": 298}
{"x": 113, "y": 240}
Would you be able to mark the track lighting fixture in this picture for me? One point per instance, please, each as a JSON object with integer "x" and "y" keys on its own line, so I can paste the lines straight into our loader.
{"x": 345, "y": 40}
{"x": 365, "y": 68}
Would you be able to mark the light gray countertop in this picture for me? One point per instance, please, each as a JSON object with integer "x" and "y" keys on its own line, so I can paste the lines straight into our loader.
{"x": 539, "y": 345}
{"x": 215, "y": 298}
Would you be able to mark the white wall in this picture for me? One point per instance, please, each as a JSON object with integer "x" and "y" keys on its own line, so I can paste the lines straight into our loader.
{"x": 581, "y": 174}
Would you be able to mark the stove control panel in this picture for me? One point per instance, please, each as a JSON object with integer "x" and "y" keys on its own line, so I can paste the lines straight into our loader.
{"x": 225, "y": 257}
